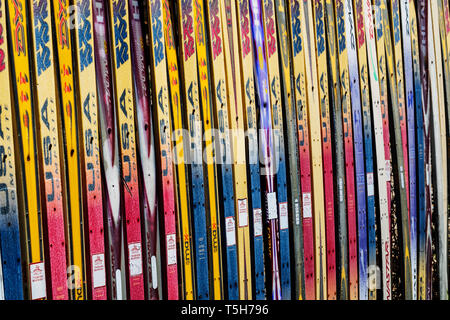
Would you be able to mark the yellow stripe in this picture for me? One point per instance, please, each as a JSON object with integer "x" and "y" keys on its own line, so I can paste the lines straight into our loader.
{"x": 181, "y": 178}
{"x": 316, "y": 145}
{"x": 69, "y": 108}
{"x": 236, "y": 117}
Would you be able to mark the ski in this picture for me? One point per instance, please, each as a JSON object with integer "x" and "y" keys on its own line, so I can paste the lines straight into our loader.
{"x": 420, "y": 141}
{"x": 396, "y": 116}
{"x": 110, "y": 150}
{"x": 211, "y": 182}
{"x": 316, "y": 151}
{"x": 270, "y": 213}
{"x": 273, "y": 69}
{"x": 191, "y": 101}
{"x": 349, "y": 270}
{"x": 49, "y": 144}
{"x": 146, "y": 153}
{"x": 439, "y": 136}
{"x": 385, "y": 219}
{"x": 251, "y": 126}
{"x": 236, "y": 120}
{"x": 90, "y": 154}
{"x": 359, "y": 147}
{"x": 125, "y": 103}
{"x": 338, "y": 150}
{"x": 410, "y": 111}
{"x": 368, "y": 148}
{"x": 298, "y": 60}
{"x": 325, "y": 113}
{"x": 424, "y": 247}
{"x": 11, "y": 279}
{"x": 292, "y": 141}
{"x": 70, "y": 120}
{"x": 373, "y": 73}
{"x": 29, "y": 205}
{"x": 183, "y": 209}
{"x": 162, "y": 105}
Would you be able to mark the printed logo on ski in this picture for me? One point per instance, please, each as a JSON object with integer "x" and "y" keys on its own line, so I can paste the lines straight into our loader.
{"x": 270, "y": 28}
{"x": 63, "y": 28}
{"x": 341, "y": 26}
{"x": 47, "y": 145}
{"x": 296, "y": 28}
{"x": 158, "y": 47}
{"x": 2, "y": 40}
{"x": 42, "y": 36}
{"x": 215, "y": 28}
{"x": 121, "y": 32}
{"x": 320, "y": 32}
{"x": 19, "y": 30}
{"x": 168, "y": 28}
{"x": 188, "y": 29}
{"x": 85, "y": 35}
{"x": 89, "y": 137}
{"x": 245, "y": 28}
{"x": 199, "y": 31}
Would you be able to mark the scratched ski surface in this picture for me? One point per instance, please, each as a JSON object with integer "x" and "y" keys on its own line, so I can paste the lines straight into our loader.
{"x": 91, "y": 180}
{"x": 11, "y": 279}
{"x": 29, "y": 206}
{"x": 181, "y": 179}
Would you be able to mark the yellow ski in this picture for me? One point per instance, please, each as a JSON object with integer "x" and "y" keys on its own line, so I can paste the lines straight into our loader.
{"x": 181, "y": 179}
{"x": 30, "y": 219}
{"x": 236, "y": 119}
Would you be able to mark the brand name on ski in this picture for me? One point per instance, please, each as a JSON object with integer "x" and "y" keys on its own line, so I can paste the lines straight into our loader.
{"x": 158, "y": 47}
{"x": 5, "y": 166}
{"x": 121, "y": 32}
{"x": 360, "y": 22}
{"x": 341, "y": 26}
{"x": 63, "y": 28}
{"x": 48, "y": 156}
{"x": 270, "y": 26}
{"x": 188, "y": 29}
{"x": 89, "y": 138}
{"x": 245, "y": 28}
{"x": 320, "y": 28}
{"x": 42, "y": 36}
{"x": 85, "y": 35}
{"x": 215, "y": 28}
{"x": 2, "y": 40}
{"x": 126, "y": 139}
{"x": 19, "y": 31}
{"x": 199, "y": 32}
{"x": 168, "y": 28}
{"x": 396, "y": 18}
{"x": 296, "y": 28}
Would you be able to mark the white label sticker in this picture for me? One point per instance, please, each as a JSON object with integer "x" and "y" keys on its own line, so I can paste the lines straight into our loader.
{"x": 135, "y": 259}
{"x": 307, "y": 210}
{"x": 243, "y": 213}
{"x": 171, "y": 243}
{"x": 284, "y": 221}
{"x": 230, "y": 226}
{"x": 297, "y": 212}
{"x": 257, "y": 221}
{"x": 402, "y": 177}
{"x": 272, "y": 205}
{"x": 370, "y": 185}
{"x": 428, "y": 175}
{"x": 154, "y": 273}
{"x": 341, "y": 190}
{"x": 37, "y": 279}
{"x": 98, "y": 270}
{"x": 388, "y": 170}
{"x": 119, "y": 284}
